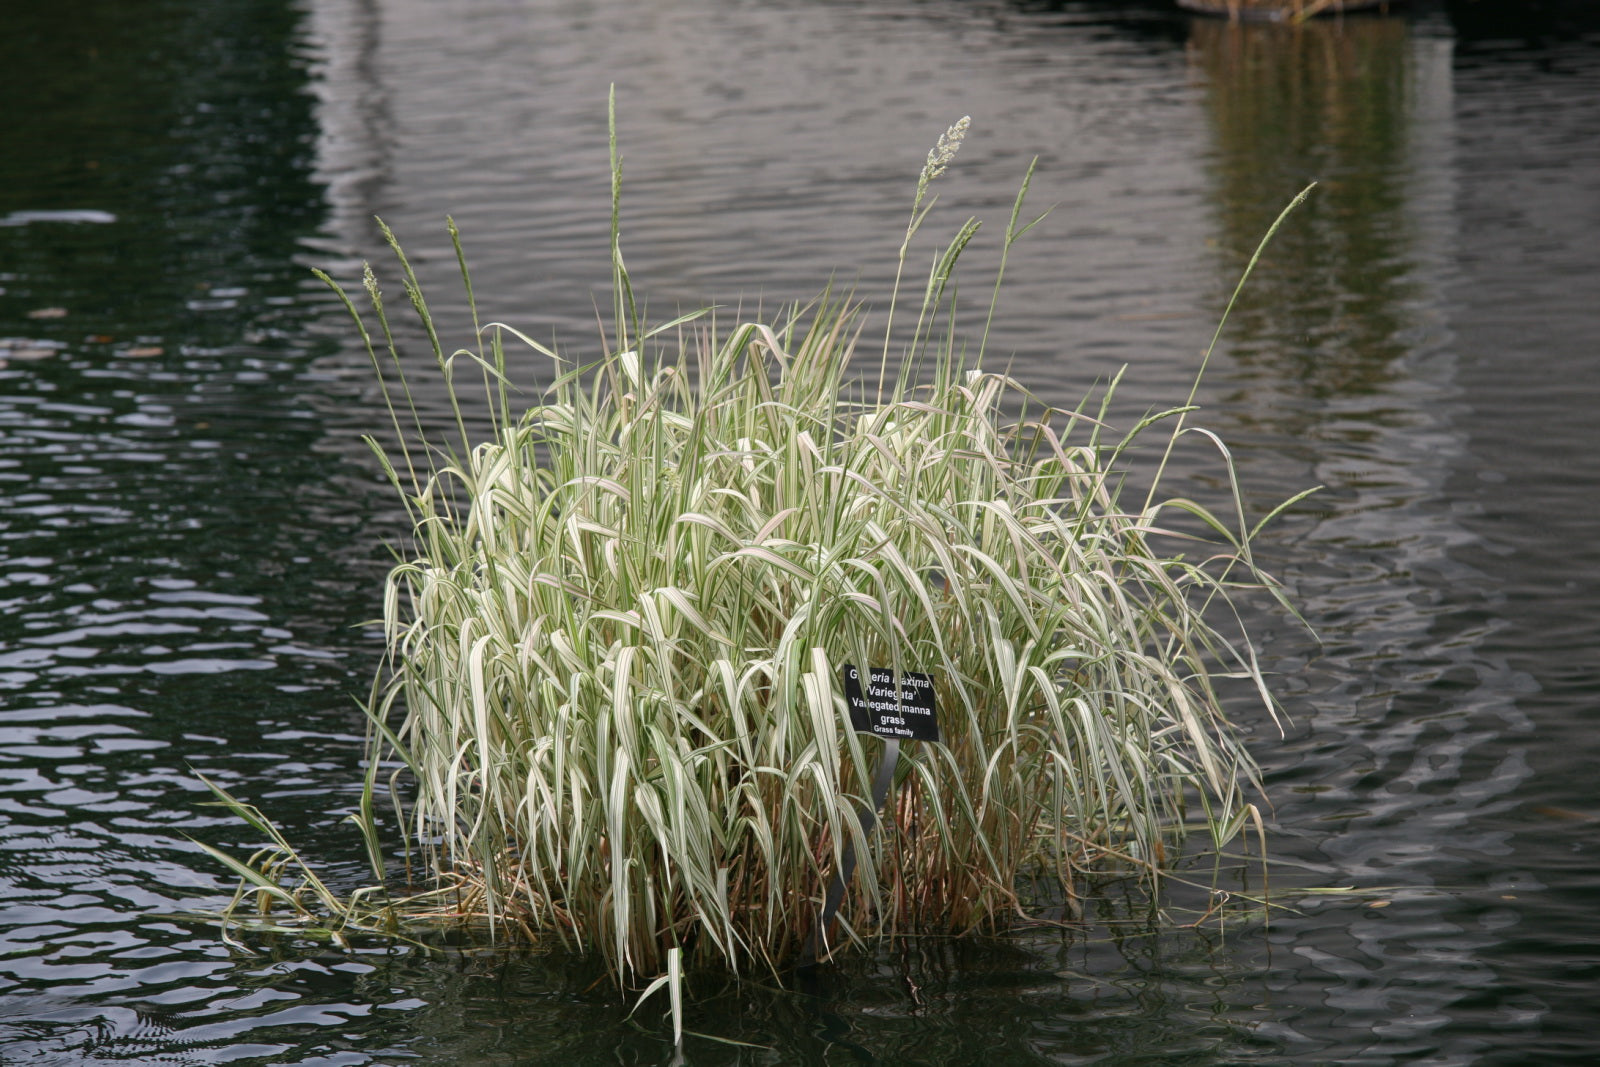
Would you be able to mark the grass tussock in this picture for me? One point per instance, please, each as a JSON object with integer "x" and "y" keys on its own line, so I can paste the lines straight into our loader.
{"x": 614, "y": 653}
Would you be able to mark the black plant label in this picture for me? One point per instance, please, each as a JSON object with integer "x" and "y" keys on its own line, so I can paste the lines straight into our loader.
{"x": 890, "y": 706}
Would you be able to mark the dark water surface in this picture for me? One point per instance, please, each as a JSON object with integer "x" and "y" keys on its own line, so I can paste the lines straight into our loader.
{"x": 190, "y": 527}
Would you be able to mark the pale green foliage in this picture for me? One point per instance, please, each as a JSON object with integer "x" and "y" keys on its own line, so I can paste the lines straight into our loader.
{"x": 615, "y": 651}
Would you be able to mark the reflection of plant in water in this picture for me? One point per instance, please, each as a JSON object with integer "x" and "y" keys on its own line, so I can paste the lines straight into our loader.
{"x": 1291, "y": 11}
{"x": 1328, "y": 102}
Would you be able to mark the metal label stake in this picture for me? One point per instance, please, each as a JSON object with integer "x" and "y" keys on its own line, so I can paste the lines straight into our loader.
{"x": 847, "y": 866}
{"x": 894, "y": 707}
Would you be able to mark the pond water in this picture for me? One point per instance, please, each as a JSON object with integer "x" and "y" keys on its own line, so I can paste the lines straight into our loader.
{"x": 191, "y": 530}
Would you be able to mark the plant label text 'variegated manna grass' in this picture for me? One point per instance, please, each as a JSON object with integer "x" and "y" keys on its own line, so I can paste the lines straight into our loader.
{"x": 890, "y": 705}
{"x": 615, "y": 650}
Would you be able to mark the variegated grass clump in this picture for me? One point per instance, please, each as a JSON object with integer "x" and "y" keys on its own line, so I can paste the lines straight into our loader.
{"x": 614, "y": 670}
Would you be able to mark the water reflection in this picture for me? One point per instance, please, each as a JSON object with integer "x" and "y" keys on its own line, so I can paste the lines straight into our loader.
{"x": 354, "y": 125}
{"x": 168, "y": 596}
{"x": 1331, "y": 103}
{"x": 1341, "y": 355}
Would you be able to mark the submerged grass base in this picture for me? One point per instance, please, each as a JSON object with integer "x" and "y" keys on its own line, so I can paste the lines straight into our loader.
{"x": 614, "y": 653}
